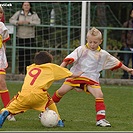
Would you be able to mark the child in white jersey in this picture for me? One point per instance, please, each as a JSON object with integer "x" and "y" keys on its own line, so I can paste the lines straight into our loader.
{"x": 91, "y": 60}
{"x": 4, "y": 37}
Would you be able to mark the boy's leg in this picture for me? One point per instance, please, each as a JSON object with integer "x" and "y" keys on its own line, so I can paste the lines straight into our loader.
{"x": 100, "y": 113}
{"x": 99, "y": 106}
{"x": 53, "y": 107}
{"x": 61, "y": 92}
{"x": 57, "y": 97}
{"x": 5, "y": 97}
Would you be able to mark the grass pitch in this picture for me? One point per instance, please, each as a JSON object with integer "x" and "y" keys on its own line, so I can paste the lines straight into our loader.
{"x": 78, "y": 111}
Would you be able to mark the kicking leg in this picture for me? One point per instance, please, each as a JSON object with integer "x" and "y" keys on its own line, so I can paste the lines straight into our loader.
{"x": 61, "y": 92}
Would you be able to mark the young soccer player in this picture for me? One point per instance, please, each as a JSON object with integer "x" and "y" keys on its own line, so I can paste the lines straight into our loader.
{"x": 91, "y": 60}
{"x": 4, "y": 93}
{"x": 34, "y": 94}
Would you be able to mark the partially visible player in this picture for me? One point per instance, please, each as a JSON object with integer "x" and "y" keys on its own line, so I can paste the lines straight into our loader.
{"x": 38, "y": 79}
{"x": 91, "y": 60}
{"x": 4, "y": 37}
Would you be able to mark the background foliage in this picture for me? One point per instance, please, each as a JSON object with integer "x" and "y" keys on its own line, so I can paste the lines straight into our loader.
{"x": 58, "y": 39}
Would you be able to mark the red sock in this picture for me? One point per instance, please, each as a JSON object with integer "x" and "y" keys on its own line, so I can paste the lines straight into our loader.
{"x": 56, "y": 97}
{"x": 5, "y": 97}
{"x": 100, "y": 109}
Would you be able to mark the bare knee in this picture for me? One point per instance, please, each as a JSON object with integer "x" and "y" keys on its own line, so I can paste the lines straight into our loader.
{"x": 96, "y": 92}
{"x": 2, "y": 83}
{"x": 64, "y": 89}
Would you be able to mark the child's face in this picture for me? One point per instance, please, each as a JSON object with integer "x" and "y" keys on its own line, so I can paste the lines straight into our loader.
{"x": 26, "y": 6}
{"x": 1, "y": 14}
{"x": 93, "y": 42}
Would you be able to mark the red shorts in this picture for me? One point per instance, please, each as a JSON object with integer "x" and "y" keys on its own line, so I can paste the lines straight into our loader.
{"x": 82, "y": 83}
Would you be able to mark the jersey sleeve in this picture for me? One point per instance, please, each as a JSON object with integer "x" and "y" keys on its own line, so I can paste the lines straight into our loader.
{"x": 60, "y": 72}
{"x": 112, "y": 62}
{"x": 72, "y": 57}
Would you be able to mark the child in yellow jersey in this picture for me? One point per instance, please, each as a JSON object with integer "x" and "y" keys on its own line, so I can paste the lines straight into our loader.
{"x": 38, "y": 79}
{"x": 91, "y": 60}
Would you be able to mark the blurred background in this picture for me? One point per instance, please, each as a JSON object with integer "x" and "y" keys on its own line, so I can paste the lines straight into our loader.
{"x": 63, "y": 28}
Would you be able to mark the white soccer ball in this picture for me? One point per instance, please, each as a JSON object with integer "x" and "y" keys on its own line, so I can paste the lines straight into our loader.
{"x": 49, "y": 118}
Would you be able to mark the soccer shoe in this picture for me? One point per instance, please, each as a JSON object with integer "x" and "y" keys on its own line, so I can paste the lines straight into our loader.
{"x": 3, "y": 116}
{"x": 103, "y": 123}
{"x": 60, "y": 123}
{"x": 39, "y": 116}
{"x": 11, "y": 118}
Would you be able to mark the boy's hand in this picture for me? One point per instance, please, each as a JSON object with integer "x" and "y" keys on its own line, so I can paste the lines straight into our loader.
{"x": 130, "y": 71}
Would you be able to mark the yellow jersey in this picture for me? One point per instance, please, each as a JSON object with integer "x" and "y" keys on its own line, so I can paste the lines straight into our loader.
{"x": 41, "y": 77}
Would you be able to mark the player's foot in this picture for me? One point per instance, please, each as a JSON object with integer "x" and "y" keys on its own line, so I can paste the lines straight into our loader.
{"x": 39, "y": 116}
{"x": 3, "y": 116}
{"x": 60, "y": 123}
{"x": 11, "y": 118}
{"x": 103, "y": 123}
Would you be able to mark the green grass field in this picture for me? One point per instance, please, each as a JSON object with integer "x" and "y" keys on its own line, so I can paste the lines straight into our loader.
{"x": 78, "y": 111}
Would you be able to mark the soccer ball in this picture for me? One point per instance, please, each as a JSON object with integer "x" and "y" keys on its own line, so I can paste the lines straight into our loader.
{"x": 49, "y": 118}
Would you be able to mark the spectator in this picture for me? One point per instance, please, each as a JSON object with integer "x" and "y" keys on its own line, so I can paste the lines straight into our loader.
{"x": 25, "y": 20}
{"x": 127, "y": 41}
{"x": 4, "y": 36}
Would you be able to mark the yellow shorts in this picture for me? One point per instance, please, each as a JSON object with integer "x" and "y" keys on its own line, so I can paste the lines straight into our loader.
{"x": 21, "y": 103}
{"x": 2, "y": 72}
{"x": 82, "y": 83}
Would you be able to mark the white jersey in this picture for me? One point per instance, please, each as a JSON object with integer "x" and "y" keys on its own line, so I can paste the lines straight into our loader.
{"x": 4, "y": 36}
{"x": 91, "y": 62}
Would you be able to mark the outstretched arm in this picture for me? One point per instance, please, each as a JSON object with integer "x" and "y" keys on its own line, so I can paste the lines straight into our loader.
{"x": 129, "y": 70}
{"x": 63, "y": 64}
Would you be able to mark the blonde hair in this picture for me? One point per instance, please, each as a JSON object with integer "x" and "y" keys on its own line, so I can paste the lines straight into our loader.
{"x": 1, "y": 9}
{"x": 94, "y": 32}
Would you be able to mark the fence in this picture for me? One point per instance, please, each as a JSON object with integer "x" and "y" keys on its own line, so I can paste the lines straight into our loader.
{"x": 63, "y": 49}
{"x": 64, "y": 34}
